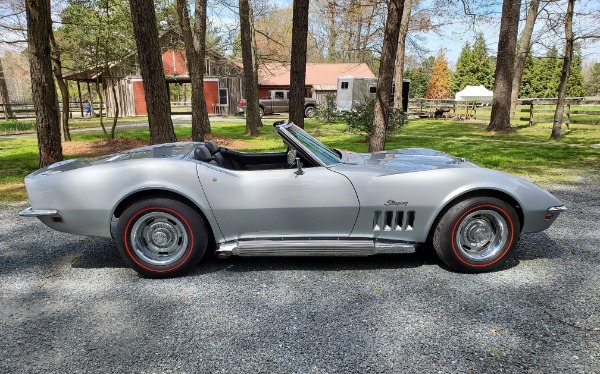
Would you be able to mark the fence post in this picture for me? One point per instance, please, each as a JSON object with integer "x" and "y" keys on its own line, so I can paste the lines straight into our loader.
{"x": 568, "y": 115}
{"x": 530, "y": 114}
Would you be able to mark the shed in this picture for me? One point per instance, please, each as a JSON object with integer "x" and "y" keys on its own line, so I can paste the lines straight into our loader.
{"x": 222, "y": 80}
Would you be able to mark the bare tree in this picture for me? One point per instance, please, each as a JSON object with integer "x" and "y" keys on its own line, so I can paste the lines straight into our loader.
{"x": 250, "y": 61}
{"x": 195, "y": 51}
{"x": 524, "y": 47}
{"x": 298, "y": 62}
{"x": 400, "y": 53}
{"x": 566, "y": 70}
{"x": 386, "y": 75}
{"x": 151, "y": 66}
{"x": 39, "y": 27}
{"x": 507, "y": 44}
{"x": 62, "y": 86}
{"x": 4, "y": 97}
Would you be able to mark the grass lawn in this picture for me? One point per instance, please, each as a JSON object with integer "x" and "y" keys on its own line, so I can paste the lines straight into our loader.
{"x": 544, "y": 162}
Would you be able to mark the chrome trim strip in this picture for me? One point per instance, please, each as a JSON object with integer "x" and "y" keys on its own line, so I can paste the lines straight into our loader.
{"x": 557, "y": 209}
{"x": 391, "y": 247}
{"x": 311, "y": 247}
{"x": 30, "y": 212}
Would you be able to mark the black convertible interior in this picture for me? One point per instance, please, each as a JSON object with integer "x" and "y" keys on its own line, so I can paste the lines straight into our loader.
{"x": 226, "y": 158}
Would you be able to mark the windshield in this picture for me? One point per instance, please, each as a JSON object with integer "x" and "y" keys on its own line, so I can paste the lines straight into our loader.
{"x": 327, "y": 155}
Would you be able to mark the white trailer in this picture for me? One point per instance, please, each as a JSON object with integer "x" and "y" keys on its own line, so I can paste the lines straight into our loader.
{"x": 353, "y": 91}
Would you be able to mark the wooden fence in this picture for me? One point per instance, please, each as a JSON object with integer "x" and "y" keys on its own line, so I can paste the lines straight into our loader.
{"x": 577, "y": 110}
{"x": 26, "y": 110}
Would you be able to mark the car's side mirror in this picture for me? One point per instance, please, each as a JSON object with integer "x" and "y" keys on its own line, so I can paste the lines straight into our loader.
{"x": 299, "y": 171}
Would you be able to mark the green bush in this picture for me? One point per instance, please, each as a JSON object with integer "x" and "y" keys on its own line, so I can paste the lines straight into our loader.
{"x": 325, "y": 110}
{"x": 13, "y": 126}
{"x": 360, "y": 120}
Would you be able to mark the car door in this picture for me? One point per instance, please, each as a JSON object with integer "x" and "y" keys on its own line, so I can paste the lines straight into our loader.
{"x": 280, "y": 103}
{"x": 280, "y": 203}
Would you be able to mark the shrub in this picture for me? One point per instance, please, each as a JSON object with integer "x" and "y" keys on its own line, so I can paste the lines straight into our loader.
{"x": 360, "y": 120}
{"x": 325, "y": 111}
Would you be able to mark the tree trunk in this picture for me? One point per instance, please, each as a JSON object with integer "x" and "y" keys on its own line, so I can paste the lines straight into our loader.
{"x": 400, "y": 54}
{"x": 195, "y": 52}
{"x": 156, "y": 93}
{"x": 4, "y": 97}
{"x": 39, "y": 27}
{"x": 332, "y": 37}
{"x": 386, "y": 75}
{"x": 566, "y": 71}
{"x": 507, "y": 45}
{"x": 100, "y": 97}
{"x": 62, "y": 86}
{"x": 112, "y": 83}
{"x": 250, "y": 62}
{"x": 524, "y": 47}
{"x": 298, "y": 61}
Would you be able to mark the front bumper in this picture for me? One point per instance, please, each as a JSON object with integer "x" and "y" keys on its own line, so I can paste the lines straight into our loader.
{"x": 557, "y": 209}
{"x": 30, "y": 212}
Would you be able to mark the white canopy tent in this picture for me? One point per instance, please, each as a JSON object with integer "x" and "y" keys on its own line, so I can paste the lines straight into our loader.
{"x": 474, "y": 93}
{"x": 471, "y": 95}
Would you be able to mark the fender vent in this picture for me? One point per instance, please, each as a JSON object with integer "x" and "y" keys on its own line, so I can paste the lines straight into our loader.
{"x": 391, "y": 220}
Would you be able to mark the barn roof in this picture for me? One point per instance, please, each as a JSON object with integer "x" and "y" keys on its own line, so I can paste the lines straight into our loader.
{"x": 276, "y": 74}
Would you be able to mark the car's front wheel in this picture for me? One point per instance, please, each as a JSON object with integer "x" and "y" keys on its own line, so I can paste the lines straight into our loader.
{"x": 161, "y": 237}
{"x": 477, "y": 234}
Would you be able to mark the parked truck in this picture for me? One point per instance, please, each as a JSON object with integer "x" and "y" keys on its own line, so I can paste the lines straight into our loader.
{"x": 277, "y": 101}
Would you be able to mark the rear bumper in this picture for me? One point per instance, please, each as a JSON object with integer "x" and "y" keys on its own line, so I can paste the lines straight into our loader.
{"x": 30, "y": 212}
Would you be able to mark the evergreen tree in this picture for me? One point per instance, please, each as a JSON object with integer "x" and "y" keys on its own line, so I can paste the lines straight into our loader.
{"x": 592, "y": 86}
{"x": 528, "y": 88}
{"x": 419, "y": 77}
{"x": 474, "y": 66}
{"x": 439, "y": 84}
{"x": 575, "y": 87}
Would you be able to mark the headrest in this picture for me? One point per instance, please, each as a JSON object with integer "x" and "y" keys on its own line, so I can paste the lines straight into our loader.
{"x": 212, "y": 146}
{"x": 201, "y": 153}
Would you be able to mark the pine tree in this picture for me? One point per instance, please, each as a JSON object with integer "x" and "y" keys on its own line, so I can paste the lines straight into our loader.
{"x": 592, "y": 86}
{"x": 575, "y": 87}
{"x": 439, "y": 84}
{"x": 419, "y": 77}
{"x": 474, "y": 66}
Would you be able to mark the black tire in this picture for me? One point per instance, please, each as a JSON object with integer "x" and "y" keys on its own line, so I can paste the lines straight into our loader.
{"x": 161, "y": 238}
{"x": 477, "y": 234}
{"x": 261, "y": 112}
{"x": 309, "y": 112}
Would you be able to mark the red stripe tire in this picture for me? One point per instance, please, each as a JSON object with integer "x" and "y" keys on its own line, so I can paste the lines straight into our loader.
{"x": 477, "y": 234}
{"x": 161, "y": 237}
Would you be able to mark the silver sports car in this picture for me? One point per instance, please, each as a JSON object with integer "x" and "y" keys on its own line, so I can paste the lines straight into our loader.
{"x": 172, "y": 203}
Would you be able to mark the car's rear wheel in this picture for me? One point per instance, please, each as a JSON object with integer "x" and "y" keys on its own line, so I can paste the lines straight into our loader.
{"x": 161, "y": 237}
{"x": 309, "y": 112}
{"x": 261, "y": 112}
{"x": 477, "y": 234}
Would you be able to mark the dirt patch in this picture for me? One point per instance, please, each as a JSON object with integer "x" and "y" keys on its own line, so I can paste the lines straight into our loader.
{"x": 109, "y": 146}
{"x": 101, "y": 147}
{"x": 225, "y": 142}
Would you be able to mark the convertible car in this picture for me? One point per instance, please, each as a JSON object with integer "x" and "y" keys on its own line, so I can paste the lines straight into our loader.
{"x": 173, "y": 203}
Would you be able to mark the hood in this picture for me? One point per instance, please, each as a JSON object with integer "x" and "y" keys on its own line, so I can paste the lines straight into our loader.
{"x": 171, "y": 150}
{"x": 407, "y": 160}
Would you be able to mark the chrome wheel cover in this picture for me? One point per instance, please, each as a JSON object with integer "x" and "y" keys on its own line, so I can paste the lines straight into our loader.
{"x": 159, "y": 238}
{"x": 481, "y": 235}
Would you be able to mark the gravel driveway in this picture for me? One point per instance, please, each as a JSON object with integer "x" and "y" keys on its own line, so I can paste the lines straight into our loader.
{"x": 68, "y": 304}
